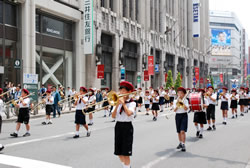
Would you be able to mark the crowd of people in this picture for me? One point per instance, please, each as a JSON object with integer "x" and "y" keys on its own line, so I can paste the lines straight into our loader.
{"x": 86, "y": 101}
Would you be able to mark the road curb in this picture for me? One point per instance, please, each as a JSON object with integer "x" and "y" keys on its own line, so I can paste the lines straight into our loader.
{"x": 35, "y": 116}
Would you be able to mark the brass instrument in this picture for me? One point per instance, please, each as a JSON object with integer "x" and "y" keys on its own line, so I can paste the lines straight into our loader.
{"x": 180, "y": 103}
{"x": 167, "y": 97}
{"x": 37, "y": 106}
{"x": 14, "y": 102}
{"x": 76, "y": 96}
{"x": 5, "y": 93}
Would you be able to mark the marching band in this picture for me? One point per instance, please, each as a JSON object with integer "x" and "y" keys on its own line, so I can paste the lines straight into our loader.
{"x": 201, "y": 102}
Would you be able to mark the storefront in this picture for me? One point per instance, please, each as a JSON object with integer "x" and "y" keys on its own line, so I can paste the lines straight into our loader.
{"x": 9, "y": 42}
{"x": 54, "y": 50}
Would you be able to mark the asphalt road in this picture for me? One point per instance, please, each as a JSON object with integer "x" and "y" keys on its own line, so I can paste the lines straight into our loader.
{"x": 52, "y": 146}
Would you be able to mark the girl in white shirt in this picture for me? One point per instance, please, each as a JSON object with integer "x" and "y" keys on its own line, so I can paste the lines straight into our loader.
{"x": 224, "y": 104}
{"x": 234, "y": 103}
{"x": 155, "y": 106}
{"x": 91, "y": 100}
{"x": 49, "y": 100}
{"x": 147, "y": 98}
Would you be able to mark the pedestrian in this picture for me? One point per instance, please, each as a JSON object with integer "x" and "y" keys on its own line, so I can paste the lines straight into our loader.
{"x": 57, "y": 98}
{"x": 155, "y": 106}
{"x": 140, "y": 101}
{"x": 200, "y": 116}
{"x": 234, "y": 103}
{"x": 147, "y": 98}
{"x": 80, "y": 119}
{"x": 162, "y": 93}
{"x": 49, "y": 101}
{"x": 91, "y": 101}
{"x": 211, "y": 97}
{"x": 43, "y": 92}
{"x": 172, "y": 94}
{"x": 224, "y": 104}
{"x": 181, "y": 117}
{"x": 124, "y": 131}
{"x": 23, "y": 116}
{"x": 246, "y": 100}
{"x": 99, "y": 98}
{"x": 1, "y": 113}
{"x": 106, "y": 103}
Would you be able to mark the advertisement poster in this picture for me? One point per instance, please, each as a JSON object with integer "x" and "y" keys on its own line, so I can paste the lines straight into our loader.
{"x": 221, "y": 41}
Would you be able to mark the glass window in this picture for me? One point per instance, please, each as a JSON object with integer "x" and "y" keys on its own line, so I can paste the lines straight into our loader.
{"x": 52, "y": 27}
{"x": 38, "y": 28}
{"x": 1, "y": 52}
{"x": 68, "y": 31}
{"x": 102, "y": 3}
{"x": 10, "y": 14}
{"x": 1, "y": 11}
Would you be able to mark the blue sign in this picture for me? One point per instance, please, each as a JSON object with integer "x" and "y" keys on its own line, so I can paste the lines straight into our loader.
{"x": 234, "y": 86}
{"x": 194, "y": 79}
{"x": 156, "y": 67}
{"x": 194, "y": 83}
{"x": 122, "y": 73}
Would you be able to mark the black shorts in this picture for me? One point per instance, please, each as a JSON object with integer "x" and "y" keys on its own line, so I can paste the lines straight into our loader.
{"x": 181, "y": 121}
{"x": 200, "y": 117}
{"x": 155, "y": 106}
{"x": 23, "y": 116}
{"x": 124, "y": 133}
{"x": 147, "y": 106}
{"x": 90, "y": 109}
{"x": 162, "y": 100}
{"x": 171, "y": 99}
{"x": 49, "y": 109}
{"x": 233, "y": 104}
{"x": 106, "y": 103}
{"x": 241, "y": 102}
{"x": 224, "y": 106}
{"x": 140, "y": 100}
{"x": 80, "y": 117}
{"x": 211, "y": 112}
{"x": 246, "y": 102}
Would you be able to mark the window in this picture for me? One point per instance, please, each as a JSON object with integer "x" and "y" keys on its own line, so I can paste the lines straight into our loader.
{"x": 38, "y": 28}
{"x": 111, "y": 5}
{"x": 224, "y": 25}
{"x": 1, "y": 11}
{"x": 124, "y": 4}
{"x": 68, "y": 31}
{"x": 102, "y": 3}
{"x": 52, "y": 27}
{"x": 10, "y": 14}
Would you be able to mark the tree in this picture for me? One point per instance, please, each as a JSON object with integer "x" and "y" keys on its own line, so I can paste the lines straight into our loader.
{"x": 169, "y": 82}
{"x": 212, "y": 80}
{"x": 178, "y": 81}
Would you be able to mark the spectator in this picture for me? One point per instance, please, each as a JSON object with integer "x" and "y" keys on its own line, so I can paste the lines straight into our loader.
{"x": 57, "y": 98}
{"x": 43, "y": 91}
{"x": 99, "y": 98}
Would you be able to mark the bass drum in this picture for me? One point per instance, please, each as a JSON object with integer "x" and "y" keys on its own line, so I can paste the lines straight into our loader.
{"x": 195, "y": 102}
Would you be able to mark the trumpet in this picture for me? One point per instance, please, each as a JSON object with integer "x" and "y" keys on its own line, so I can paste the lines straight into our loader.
{"x": 14, "y": 102}
{"x": 180, "y": 103}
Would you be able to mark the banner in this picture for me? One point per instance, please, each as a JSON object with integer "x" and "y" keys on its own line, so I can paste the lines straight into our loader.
{"x": 201, "y": 81}
{"x": 146, "y": 76}
{"x": 151, "y": 66}
{"x": 100, "y": 71}
{"x": 221, "y": 42}
{"x": 166, "y": 77}
{"x": 197, "y": 73}
{"x": 88, "y": 26}
{"x": 196, "y": 18}
{"x": 221, "y": 78}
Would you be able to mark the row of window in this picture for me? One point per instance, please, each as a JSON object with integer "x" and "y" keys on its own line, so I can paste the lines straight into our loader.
{"x": 224, "y": 25}
{"x": 8, "y": 13}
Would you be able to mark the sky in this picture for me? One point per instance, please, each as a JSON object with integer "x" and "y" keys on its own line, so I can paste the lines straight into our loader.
{"x": 240, "y": 7}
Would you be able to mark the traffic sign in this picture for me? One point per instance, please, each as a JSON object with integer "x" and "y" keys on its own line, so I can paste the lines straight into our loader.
{"x": 194, "y": 79}
{"x": 194, "y": 83}
{"x": 156, "y": 67}
{"x": 17, "y": 64}
{"x": 234, "y": 86}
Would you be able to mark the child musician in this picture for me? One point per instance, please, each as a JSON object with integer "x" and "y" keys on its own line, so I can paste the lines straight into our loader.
{"x": 49, "y": 107}
{"x": 147, "y": 98}
{"x": 155, "y": 106}
{"x": 224, "y": 104}
{"x": 234, "y": 103}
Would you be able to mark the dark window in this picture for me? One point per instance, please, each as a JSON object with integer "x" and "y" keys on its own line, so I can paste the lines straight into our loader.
{"x": 111, "y": 5}
{"x": 52, "y": 27}
{"x": 124, "y": 5}
{"x": 224, "y": 25}
{"x": 137, "y": 10}
{"x": 10, "y": 14}
{"x": 38, "y": 28}
{"x": 1, "y": 11}
{"x": 102, "y": 3}
{"x": 68, "y": 31}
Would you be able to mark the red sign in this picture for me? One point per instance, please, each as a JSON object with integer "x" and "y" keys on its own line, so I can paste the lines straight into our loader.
{"x": 151, "y": 66}
{"x": 166, "y": 76}
{"x": 221, "y": 78}
{"x": 146, "y": 76}
{"x": 201, "y": 81}
{"x": 197, "y": 73}
{"x": 100, "y": 71}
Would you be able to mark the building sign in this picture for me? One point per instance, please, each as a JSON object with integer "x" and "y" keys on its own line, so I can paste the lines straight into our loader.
{"x": 166, "y": 77}
{"x": 151, "y": 65}
{"x": 100, "y": 71}
{"x": 88, "y": 26}
{"x": 52, "y": 26}
{"x": 146, "y": 76}
{"x": 197, "y": 73}
{"x": 157, "y": 68}
{"x": 221, "y": 41}
{"x": 245, "y": 68}
{"x": 17, "y": 64}
{"x": 30, "y": 78}
{"x": 201, "y": 80}
{"x": 221, "y": 78}
{"x": 123, "y": 73}
{"x": 1, "y": 69}
{"x": 196, "y": 18}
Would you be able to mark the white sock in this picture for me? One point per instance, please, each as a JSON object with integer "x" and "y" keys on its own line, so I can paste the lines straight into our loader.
{"x": 201, "y": 131}
{"x": 197, "y": 128}
{"x": 27, "y": 131}
{"x": 209, "y": 125}
{"x": 91, "y": 121}
{"x": 126, "y": 166}
{"x": 16, "y": 132}
{"x": 77, "y": 132}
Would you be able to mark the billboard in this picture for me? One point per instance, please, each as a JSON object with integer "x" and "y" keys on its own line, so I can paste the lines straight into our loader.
{"x": 221, "y": 41}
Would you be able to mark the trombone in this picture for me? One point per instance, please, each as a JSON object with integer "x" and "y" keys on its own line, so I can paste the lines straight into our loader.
{"x": 180, "y": 103}
{"x": 112, "y": 99}
{"x": 14, "y": 102}
{"x": 5, "y": 93}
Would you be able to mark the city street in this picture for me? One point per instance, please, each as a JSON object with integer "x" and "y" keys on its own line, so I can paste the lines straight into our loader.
{"x": 52, "y": 146}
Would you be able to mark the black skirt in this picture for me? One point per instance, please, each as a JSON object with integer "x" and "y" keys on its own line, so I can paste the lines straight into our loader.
{"x": 200, "y": 117}
{"x": 246, "y": 102}
{"x": 224, "y": 106}
{"x": 171, "y": 99}
{"x": 233, "y": 104}
{"x": 162, "y": 100}
{"x": 155, "y": 106}
{"x": 106, "y": 103}
{"x": 80, "y": 117}
{"x": 241, "y": 102}
{"x": 140, "y": 100}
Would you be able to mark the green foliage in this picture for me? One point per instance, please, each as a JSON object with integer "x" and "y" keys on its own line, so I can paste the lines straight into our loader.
{"x": 212, "y": 80}
{"x": 169, "y": 82}
{"x": 178, "y": 81}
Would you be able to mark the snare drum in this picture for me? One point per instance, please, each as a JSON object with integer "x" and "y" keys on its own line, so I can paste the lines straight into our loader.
{"x": 195, "y": 102}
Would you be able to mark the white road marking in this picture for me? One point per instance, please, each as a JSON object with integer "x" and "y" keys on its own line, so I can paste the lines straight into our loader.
{"x": 27, "y": 163}
{"x": 248, "y": 164}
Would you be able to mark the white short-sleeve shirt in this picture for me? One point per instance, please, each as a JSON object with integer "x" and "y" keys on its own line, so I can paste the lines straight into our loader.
{"x": 123, "y": 117}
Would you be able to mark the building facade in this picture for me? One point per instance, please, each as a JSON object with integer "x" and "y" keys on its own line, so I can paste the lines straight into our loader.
{"x": 228, "y": 48}
{"x": 47, "y": 36}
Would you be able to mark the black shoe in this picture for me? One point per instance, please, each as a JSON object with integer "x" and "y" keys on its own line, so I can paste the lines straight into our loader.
{"x": 146, "y": 114}
{"x": 135, "y": 116}
{"x": 44, "y": 123}
{"x": 197, "y": 133}
{"x": 26, "y": 134}
{"x": 90, "y": 124}
{"x": 200, "y": 136}
{"x": 2, "y": 148}
{"x": 14, "y": 134}
{"x": 113, "y": 121}
{"x": 236, "y": 116}
{"x": 161, "y": 111}
{"x": 214, "y": 128}
{"x": 49, "y": 122}
{"x": 242, "y": 114}
{"x": 154, "y": 119}
{"x": 233, "y": 117}
{"x": 76, "y": 136}
{"x": 225, "y": 123}
{"x": 179, "y": 146}
{"x": 139, "y": 110}
{"x": 88, "y": 134}
{"x": 209, "y": 128}
{"x": 183, "y": 149}
{"x": 104, "y": 116}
